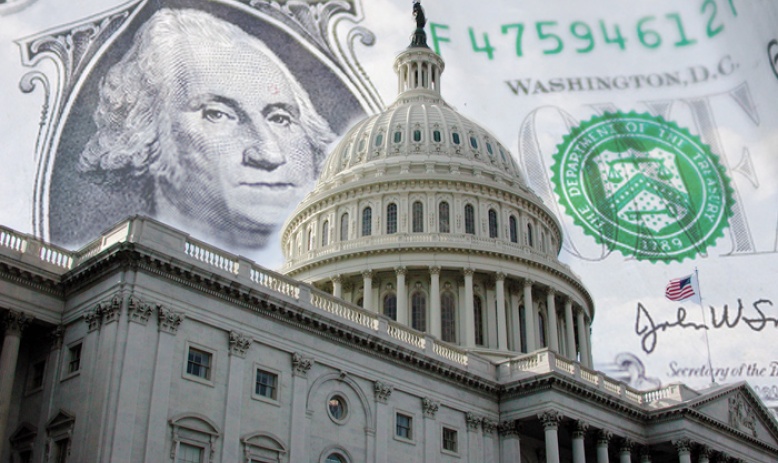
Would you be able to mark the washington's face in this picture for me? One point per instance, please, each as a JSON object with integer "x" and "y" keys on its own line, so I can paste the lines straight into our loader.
{"x": 243, "y": 157}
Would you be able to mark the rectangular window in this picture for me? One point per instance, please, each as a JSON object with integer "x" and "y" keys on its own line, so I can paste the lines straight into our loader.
{"x": 404, "y": 426}
{"x": 61, "y": 450}
{"x": 199, "y": 363}
{"x": 266, "y": 384}
{"x": 189, "y": 454}
{"x": 450, "y": 439}
{"x": 74, "y": 358}
{"x": 35, "y": 378}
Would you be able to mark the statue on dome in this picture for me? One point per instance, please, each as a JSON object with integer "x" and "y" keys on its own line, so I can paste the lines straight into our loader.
{"x": 419, "y": 36}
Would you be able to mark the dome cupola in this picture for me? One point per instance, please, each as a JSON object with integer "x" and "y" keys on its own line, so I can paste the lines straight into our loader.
{"x": 424, "y": 216}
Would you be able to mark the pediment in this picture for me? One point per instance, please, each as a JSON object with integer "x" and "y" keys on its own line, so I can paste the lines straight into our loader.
{"x": 25, "y": 433}
{"x": 739, "y": 409}
{"x": 61, "y": 421}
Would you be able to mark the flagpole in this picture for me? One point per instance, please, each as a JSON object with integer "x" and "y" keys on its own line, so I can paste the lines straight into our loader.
{"x": 707, "y": 342}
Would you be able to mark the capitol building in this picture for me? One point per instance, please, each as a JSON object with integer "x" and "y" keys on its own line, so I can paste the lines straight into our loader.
{"x": 422, "y": 315}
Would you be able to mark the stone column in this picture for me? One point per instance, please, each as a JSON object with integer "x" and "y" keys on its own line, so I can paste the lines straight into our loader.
{"x": 382, "y": 393}
{"x": 550, "y": 420}
{"x": 431, "y": 433}
{"x": 239, "y": 344}
{"x": 474, "y": 452}
{"x": 529, "y": 314}
{"x": 625, "y": 451}
{"x": 579, "y": 451}
{"x": 553, "y": 329}
{"x": 15, "y": 323}
{"x": 435, "y": 321}
{"x": 169, "y": 322}
{"x": 603, "y": 437}
{"x": 645, "y": 454}
{"x": 502, "y": 324}
{"x": 583, "y": 337}
{"x": 469, "y": 318}
{"x": 510, "y": 442}
{"x": 570, "y": 329}
{"x": 402, "y": 296}
{"x": 588, "y": 344}
{"x": 298, "y": 450}
{"x": 337, "y": 286}
{"x": 489, "y": 428}
{"x": 705, "y": 454}
{"x": 683, "y": 447}
{"x": 367, "y": 294}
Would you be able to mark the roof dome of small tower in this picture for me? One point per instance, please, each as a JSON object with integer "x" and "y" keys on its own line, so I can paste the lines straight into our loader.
{"x": 424, "y": 216}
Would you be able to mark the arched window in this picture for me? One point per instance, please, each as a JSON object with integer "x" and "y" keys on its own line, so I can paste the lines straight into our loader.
{"x": 390, "y": 306}
{"x": 542, "y": 241}
{"x": 325, "y": 233}
{"x": 391, "y": 218}
{"x": 473, "y": 142}
{"x": 514, "y": 229}
{"x": 448, "y": 320}
{"x": 417, "y": 135}
{"x": 334, "y": 458}
{"x": 398, "y": 137}
{"x": 436, "y": 136}
{"x": 379, "y": 140}
{"x": 309, "y": 244}
{"x": 492, "y": 223}
{"x": 469, "y": 219}
{"x": 344, "y": 227}
{"x": 478, "y": 315}
{"x": 542, "y": 328}
{"x": 529, "y": 234}
{"x": 443, "y": 218}
{"x": 523, "y": 328}
{"x": 419, "y": 311}
{"x": 367, "y": 221}
{"x": 418, "y": 217}
{"x": 455, "y": 138}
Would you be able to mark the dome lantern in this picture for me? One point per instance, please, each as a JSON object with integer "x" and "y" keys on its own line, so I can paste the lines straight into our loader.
{"x": 418, "y": 67}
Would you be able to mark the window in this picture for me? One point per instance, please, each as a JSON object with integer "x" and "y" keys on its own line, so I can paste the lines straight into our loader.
{"x": 337, "y": 408}
{"x": 469, "y": 219}
{"x": 35, "y": 375}
{"x": 325, "y": 233}
{"x": 310, "y": 240}
{"x": 404, "y": 426}
{"x": 542, "y": 327}
{"x": 74, "y": 358}
{"x": 417, "y": 135}
{"x": 266, "y": 384}
{"x": 334, "y": 458}
{"x": 514, "y": 230}
{"x": 199, "y": 363}
{"x": 398, "y": 137}
{"x": 367, "y": 221}
{"x": 492, "y": 223}
{"x": 443, "y": 218}
{"x": 418, "y": 217}
{"x": 436, "y": 136}
{"x": 542, "y": 241}
{"x": 450, "y": 440}
{"x": 448, "y": 317}
{"x": 478, "y": 315}
{"x": 489, "y": 149}
{"x": 344, "y": 227}
{"x": 25, "y": 456}
{"x": 379, "y": 139}
{"x": 474, "y": 142}
{"x": 61, "y": 450}
{"x": 523, "y": 328}
{"x": 419, "y": 311}
{"x": 455, "y": 138}
{"x": 529, "y": 234}
{"x": 390, "y": 306}
{"x": 391, "y": 218}
{"x": 188, "y": 453}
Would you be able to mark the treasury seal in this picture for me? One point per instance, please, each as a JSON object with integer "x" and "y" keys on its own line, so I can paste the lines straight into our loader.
{"x": 643, "y": 186}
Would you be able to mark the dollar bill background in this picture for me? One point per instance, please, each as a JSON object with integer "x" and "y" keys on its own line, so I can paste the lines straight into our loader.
{"x": 532, "y": 72}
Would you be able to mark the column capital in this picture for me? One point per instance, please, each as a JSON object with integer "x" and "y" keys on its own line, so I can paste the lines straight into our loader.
{"x": 430, "y": 407}
{"x": 489, "y": 426}
{"x": 93, "y": 318}
{"x": 569, "y": 301}
{"x": 239, "y": 344}
{"x": 626, "y": 444}
{"x": 16, "y": 321}
{"x": 382, "y": 391}
{"x": 56, "y": 335}
{"x": 604, "y": 436}
{"x": 110, "y": 310}
{"x": 468, "y": 272}
{"x": 682, "y": 445}
{"x": 367, "y": 273}
{"x": 399, "y": 270}
{"x": 528, "y": 283}
{"x": 336, "y": 278}
{"x": 169, "y": 320}
{"x": 551, "y": 291}
{"x": 139, "y": 311}
{"x": 499, "y": 276}
{"x": 550, "y": 419}
{"x": 510, "y": 428}
{"x": 704, "y": 451}
{"x": 579, "y": 429}
{"x": 473, "y": 421}
{"x": 301, "y": 364}
{"x": 434, "y": 270}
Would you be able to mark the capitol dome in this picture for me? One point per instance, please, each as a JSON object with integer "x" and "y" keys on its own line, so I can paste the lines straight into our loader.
{"x": 422, "y": 215}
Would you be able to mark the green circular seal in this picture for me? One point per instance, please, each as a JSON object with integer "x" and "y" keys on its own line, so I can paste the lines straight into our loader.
{"x": 642, "y": 185}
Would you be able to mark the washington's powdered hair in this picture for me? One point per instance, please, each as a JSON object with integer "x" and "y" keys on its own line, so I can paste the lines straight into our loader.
{"x": 136, "y": 90}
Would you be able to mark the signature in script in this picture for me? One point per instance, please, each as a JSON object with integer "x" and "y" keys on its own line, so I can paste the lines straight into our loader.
{"x": 725, "y": 318}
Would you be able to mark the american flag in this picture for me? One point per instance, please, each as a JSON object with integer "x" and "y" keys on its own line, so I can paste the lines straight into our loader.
{"x": 680, "y": 289}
